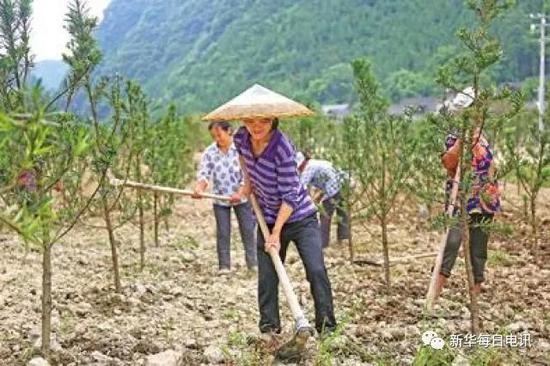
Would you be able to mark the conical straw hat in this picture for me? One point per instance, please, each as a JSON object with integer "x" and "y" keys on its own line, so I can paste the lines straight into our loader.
{"x": 258, "y": 102}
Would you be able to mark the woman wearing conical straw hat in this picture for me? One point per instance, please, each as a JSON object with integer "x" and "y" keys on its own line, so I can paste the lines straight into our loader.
{"x": 269, "y": 160}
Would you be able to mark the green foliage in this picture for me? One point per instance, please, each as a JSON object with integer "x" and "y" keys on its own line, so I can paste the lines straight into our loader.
{"x": 428, "y": 172}
{"x": 376, "y": 150}
{"x": 15, "y": 58}
{"x": 383, "y": 147}
{"x": 427, "y": 356}
{"x": 499, "y": 258}
{"x": 479, "y": 51}
{"x": 315, "y": 135}
{"x": 84, "y": 55}
{"x": 170, "y": 154}
{"x": 201, "y": 53}
{"x": 38, "y": 150}
{"x": 527, "y": 153}
{"x": 404, "y": 83}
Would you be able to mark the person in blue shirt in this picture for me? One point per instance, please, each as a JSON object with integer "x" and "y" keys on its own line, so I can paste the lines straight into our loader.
{"x": 322, "y": 175}
{"x": 220, "y": 167}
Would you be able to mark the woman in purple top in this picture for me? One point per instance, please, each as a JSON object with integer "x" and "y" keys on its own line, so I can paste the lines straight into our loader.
{"x": 269, "y": 158}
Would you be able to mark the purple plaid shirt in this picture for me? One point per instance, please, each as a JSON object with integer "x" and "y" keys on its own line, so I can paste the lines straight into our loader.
{"x": 274, "y": 176}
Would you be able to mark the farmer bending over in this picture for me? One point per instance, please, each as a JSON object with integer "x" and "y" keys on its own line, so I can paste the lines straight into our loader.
{"x": 220, "y": 164}
{"x": 270, "y": 163}
{"x": 322, "y": 175}
{"x": 482, "y": 205}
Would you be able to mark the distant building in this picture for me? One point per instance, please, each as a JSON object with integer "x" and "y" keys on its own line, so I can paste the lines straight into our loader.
{"x": 336, "y": 111}
{"x": 421, "y": 105}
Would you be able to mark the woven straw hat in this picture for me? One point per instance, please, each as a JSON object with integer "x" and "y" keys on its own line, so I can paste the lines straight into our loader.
{"x": 258, "y": 102}
{"x": 462, "y": 100}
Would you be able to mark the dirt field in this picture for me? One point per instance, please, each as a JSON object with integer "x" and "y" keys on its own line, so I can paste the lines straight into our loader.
{"x": 180, "y": 303}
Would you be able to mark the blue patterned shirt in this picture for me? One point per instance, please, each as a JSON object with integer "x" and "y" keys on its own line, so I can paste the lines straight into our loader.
{"x": 222, "y": 170}
{"x": 321, "y": 174}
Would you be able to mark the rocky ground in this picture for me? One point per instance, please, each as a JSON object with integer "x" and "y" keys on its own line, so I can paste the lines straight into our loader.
{"x": 178, "y": 310}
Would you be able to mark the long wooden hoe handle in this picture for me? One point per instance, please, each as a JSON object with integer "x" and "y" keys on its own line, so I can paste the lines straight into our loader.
{"x": 162, "y": 189}
{"x": 430, "y": 297}
{"x": 297, "y": 313}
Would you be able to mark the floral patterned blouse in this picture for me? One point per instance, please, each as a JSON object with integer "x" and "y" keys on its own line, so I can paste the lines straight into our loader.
{"x": 223, "y": 170}
{"x": 485, "y": 193}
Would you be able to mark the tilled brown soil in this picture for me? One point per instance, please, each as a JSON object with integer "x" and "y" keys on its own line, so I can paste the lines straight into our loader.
{"x": 179, "y": 302}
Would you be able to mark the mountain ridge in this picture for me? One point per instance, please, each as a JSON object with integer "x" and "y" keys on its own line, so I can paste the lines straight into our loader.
{"x": 200, "y": 53}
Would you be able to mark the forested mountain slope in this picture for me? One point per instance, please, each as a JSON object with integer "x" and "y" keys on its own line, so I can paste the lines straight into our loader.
{"x": 202, "y": 52}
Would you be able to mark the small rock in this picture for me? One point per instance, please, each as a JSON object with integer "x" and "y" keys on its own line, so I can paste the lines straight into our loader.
{"x": 460, "y": 361}
{"x": 105, "y": 327}
{"x": 508, "y": 311}
{"x": 412, "y": 331}
{"x": 419, "y": 302}
{"x": 188, "y": 256}
{"x": 214, "y": 354}
{"x": 38, "y": 361}
{"x": 166, "y": 358}
{"x": 176, "y": 291}
{"x": 174, "y": 260}
{"x": 518, "y": 326}
{"x": 355, "y": 362}
{"x": 133, "y": 302}
{"x": 140, "y": 290}
{"x": 423, "y": 212}
{"x": 100, "y": 357}
{"x": 56, "y": 322}
{"x": 544, "y": 346}
{"x": 54, "y": 344}
{"x": 190, "y": 343}
{"x": 386, "y": 335}
{"x": 34, "y": 334}
{"x": 80, "y": 328}
{"x": 397, "y": 333}
{"x": 82, "y": 309}
{"x": 120, "y": 298}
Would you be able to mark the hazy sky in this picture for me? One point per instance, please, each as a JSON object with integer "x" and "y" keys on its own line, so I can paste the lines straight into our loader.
{"x": 48, "y": 38}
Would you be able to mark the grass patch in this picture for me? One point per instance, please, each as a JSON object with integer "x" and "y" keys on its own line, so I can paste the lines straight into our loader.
{"x": 238, "y": 350}
{"x": 187, "y": 242}
{"x": 237, "y": 339}
{"x": 336, "y": 344}
{"x": 427, "y": 356}
{"x": 231, "y": 314}
{"x": 66, "y": 323}
{"x": 499, "y": 257}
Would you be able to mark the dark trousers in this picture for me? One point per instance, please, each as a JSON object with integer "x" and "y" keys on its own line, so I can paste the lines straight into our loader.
{"x": 306, "y": 236}
{"x": 247, "y": 228}
{"x": 335, "y": 203}
{"x": 478, "y": 246}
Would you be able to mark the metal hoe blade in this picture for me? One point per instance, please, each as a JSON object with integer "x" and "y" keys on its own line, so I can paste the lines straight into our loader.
{"x": 292, "y": 351}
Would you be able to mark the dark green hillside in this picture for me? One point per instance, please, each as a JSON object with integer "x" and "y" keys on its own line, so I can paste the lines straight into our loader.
{"x": 202, "y": 52}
